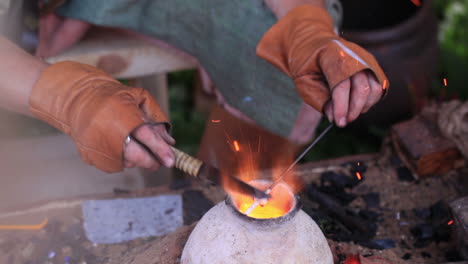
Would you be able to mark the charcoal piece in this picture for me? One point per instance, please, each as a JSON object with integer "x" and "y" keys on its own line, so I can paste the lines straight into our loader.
{"x": 406, "y": 256}
{"x": 404, "y": 245}
{"x": 404, "y": 174}
{"x": 195, "y": 205}
{"x": 403, "y": 214}
{"x": 372, "y": 200}
{"x": 442, "y": 232}
{"x": 369, "y": 215}
{"x": 335, "y": 179}
{"x": 453, "y": 255}
{"x": 421, "y": 243}
{"x": 423, "y": 213}
{"x": 425, "y": 254}
{"x": 440, "y": 212}
{"x": 357, "y": 166}
{"x": 343, "y": 197}
{"x": 422, "y": 231}
{"x": 379, "y": 244}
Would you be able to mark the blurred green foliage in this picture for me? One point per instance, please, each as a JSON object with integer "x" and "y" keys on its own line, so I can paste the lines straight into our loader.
{"x": 453, "y": 40}
{"x": 187, "y": 124}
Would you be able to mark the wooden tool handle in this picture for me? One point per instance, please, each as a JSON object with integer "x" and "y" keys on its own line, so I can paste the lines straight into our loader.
{"x": 187, "y": 163}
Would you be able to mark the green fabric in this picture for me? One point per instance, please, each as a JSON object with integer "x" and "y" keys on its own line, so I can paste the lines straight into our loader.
{"x": 223, "y": 36}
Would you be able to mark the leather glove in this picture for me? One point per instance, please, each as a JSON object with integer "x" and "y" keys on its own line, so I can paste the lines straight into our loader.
{"x": 304, "y": 45}
{"x": 97, "y": 111}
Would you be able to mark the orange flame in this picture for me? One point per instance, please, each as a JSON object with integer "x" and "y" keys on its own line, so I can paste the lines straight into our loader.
{"x": 215, "y": 121}
{"x": 282, "y": 196}
{"x": 445, "y": 82}
{"x": 450, "y": 222}
{"x": 281, "y": 202}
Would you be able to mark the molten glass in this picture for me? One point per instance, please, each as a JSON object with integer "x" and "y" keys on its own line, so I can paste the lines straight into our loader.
{"x": 282, "y": 201}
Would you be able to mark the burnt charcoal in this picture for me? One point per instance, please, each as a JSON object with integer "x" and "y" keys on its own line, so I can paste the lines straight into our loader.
{"x": 195, "y": 205}
{"x": 403, "y": 214}
{"x": 343, "y": 197}
{"x": 440, "y": 212}
{"x": 335, "y": 179}
{"x": 407, "y": 256}
{"x": 404, "y": 245}
{"x": 404, "y": 174}
{"x": 379, "y": 244}
{"x": 369, "y": 215}
{"x": 423, "y": 213}
{"x": 421, "y": 243}
{"x": 422, "y": 231}
{"x": 372, "y": 200}
{"x": 331, "y": 228}
{"x": 442, "y": 232}
{"x": 425, "y": 254}
{"x": 357, "y": 166}
{"x": 453, "y": 255}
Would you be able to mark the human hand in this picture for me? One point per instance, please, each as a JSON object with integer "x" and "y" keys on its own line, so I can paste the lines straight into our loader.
{"x": 334, "y": 76}
{"x": 99, "y": 113}
{"x": 352, "y": 97}
{"x": 57, "y": 34}
{"x": 149, "y": 148}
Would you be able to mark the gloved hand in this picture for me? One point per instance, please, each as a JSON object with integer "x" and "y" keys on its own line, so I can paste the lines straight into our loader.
{"x": 99, "y": 113}
{"x": 323, "y": 66}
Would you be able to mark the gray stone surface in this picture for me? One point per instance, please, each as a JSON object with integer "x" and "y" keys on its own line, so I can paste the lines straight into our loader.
{"x": 119, "y": 220}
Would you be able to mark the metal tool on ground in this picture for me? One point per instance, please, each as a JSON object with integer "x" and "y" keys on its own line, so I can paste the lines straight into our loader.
{"x": 196, "y": 168}
{"x": 267, "y": 192}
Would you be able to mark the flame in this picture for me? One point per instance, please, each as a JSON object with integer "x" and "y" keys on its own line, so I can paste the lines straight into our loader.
{"x": 281, "y": 202}
{"x": 445, "y": 82}
{"x": 450, "y": 222}
{"x": 282, "y": 196}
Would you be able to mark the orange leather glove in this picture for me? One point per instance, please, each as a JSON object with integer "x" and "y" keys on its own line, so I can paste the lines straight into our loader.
{"x": 304, "y": 45}
{"x": 97, "y": 111}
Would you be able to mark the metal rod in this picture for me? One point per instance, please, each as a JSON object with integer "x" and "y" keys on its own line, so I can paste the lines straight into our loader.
{"x": 267, "y": 192}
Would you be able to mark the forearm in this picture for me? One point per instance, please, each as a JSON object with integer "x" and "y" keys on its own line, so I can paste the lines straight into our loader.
{"x": 18, "y": 74}
{"x": 281, "y": 7}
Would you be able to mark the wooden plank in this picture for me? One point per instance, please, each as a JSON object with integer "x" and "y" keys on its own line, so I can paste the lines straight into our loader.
{"x": 422, "y": 147}
{"x": 124, "y": 55}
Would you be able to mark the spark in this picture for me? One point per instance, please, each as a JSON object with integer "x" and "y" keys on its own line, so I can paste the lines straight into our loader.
{"x": 358, "y": 175}
{"x": 215, "y": 121}
{"x": 445, "y": 82}
{"x": 25, "y": 227}
{"x": 236, "y": 145}
{"x": 450, "y": 222}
